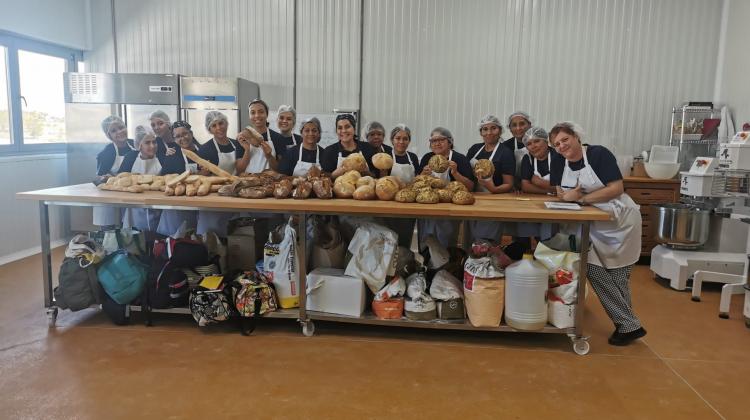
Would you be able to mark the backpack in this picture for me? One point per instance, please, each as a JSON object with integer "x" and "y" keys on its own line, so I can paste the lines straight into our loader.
{"x": 209, "y": 306}
{"x": 122, "y": 277}
{"x": 78, "y": 286}
{"x": 167, "y": 287}
{"x": 182, "y": 252}
{"x": 253, "y": 296}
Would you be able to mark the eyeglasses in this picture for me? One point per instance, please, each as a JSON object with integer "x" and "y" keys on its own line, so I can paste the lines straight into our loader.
{"x": 438, "y": 140}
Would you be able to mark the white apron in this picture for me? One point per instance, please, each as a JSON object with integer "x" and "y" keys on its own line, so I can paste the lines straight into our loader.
{"x": 192, "y": 167}
{"x": 258, "y": 161}
{"x": 615, "y": 243}
{"x": 302, "y": 168}
{"x": 540, "y": 230}
{"x": 484, "y": 229}
{"x": 518, "y": 154}
{"x": 216, "y": 221}
{"x": 171, "y": 220}
{"x": 143, "y": 219}
{"x": 110, "y": 216}
{"x": 403, "y": 171}
{"x": 445, "y": 231}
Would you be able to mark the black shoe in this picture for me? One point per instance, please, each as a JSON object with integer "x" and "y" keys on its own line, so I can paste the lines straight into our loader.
{"x": 623, "y": 339}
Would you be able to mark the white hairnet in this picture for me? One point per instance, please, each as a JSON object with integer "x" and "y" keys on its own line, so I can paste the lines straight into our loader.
{"x": 107, "y": 123}
{"x": 312, "y": 120}
{"x": 141, "y": 133}
{"x": 572, "y": 126}
{"x": 287, "y": 108}
{"x": 212, "y": 117}
{"x": 535, "y": 133}
{"x": 160, "y": 115}
{"x": 372, "y": 126}
{"x": 521, "y": 114}
{"x": 490, "y": 119}
{"x": 400, "y": 127}
{"x": 443, "y": 132}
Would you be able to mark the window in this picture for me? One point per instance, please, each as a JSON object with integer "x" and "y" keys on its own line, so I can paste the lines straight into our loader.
{"x": 32, "y": 101}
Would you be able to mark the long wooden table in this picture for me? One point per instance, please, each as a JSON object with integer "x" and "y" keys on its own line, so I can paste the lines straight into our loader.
{"x": 501, "y": 207}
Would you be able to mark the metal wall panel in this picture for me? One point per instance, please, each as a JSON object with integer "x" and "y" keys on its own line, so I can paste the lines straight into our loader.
{"x": 615, "y": 66}
{"x": 328, "y": 37}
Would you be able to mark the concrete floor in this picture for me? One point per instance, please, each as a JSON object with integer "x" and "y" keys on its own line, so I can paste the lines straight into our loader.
{"x": 691, "y": 365}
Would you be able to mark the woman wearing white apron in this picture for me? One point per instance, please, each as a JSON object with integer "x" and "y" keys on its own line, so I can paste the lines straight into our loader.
{"x": 161, "y": 125}
{"x": 146, "y": 162}
{"x": 590, "y": 175}
{"x": 459, "y": 169}
{"x": 286, "y": 118}
{"x": 108, "y": 162}
{"x": 535, "y": 177}
{"x": 501, "y": 181}
{"x": 518, "y": 123}
{"x": 171, "y": 220}
{"x": 256, "y": 159}
{"x": 405, "y": 167}
{"x": 298, "y": 160}
{"x": 221, "y": 151}
{"x": 335, "y": 154}
{"x": 375, "y": 135}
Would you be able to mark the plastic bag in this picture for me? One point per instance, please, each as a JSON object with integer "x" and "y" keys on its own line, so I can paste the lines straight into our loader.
{"x": 445, "y": 286}
{"x": 395, "y": 288}
{"x": 281, "y": 265}
{"x": 86, "y": 248}
{"x": 328, "y": 247}
{"x": 563, "y": 269}
{"x": 436, "y": 255}
{"x": 372, "y": 248}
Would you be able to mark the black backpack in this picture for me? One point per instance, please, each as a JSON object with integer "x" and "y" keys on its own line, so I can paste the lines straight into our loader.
{"x": 79, "y": 286}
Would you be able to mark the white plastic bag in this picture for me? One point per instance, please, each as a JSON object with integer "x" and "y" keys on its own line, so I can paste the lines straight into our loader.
{"x": 372, "y": 249}
{"x": 561, "y": 315}
{"x": 555, "y": 259}
{"x": 445, "y": 287}
{"x": 395, "y": 288}
{"x": 281, "y": 265}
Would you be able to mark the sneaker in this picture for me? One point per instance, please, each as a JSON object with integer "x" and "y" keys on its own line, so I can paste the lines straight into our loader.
{"x": 623, "y": 339}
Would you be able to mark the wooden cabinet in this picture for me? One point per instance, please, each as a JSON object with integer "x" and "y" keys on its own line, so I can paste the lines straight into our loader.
{"x": 646, "y": 191}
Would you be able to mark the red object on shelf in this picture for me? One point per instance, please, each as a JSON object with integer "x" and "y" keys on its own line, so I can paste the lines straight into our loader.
{"x": 710, "y": 125}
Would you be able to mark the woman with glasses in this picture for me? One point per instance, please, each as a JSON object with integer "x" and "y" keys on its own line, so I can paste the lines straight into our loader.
{"x": 589, "y": 175}
{"x": 500, "y": 182}
{"x": 335, "y": 154}
{"x": 459, "y": 169}
{"x": 108, "y": 162}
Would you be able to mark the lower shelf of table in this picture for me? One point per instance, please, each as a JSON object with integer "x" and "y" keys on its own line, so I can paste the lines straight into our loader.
{"x": 281, "y": 313}
{"x": 462, "y": 324}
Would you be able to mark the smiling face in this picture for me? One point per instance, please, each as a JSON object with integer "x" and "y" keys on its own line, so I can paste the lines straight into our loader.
{"x": 310, "y": 136}
{"x": 537, "y": 148}
{"x": 490, "y": 133}
{"x": 183, "y": 137}
{"x": 439, "y": 144}
{"x": 285, "y": 121}
{"x": 518, "y": 126}
{"x": 147, "y": 147}
{"x": 345, "y": 131}
{"x": 161, "y": 128}
{"x": 118, "y": 133}
{"x": 401, "y": 142}
{"x": 258, "y": 116}
{"x": 568, "y": 145}
{"x": 218, "y": 129}
{"x": 375, "y": 138}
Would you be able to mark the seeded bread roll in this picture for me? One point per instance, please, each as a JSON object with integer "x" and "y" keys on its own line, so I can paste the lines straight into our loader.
{"x": 463, "y": 198}
{"x": 438, "y": 163}
{"x": 484, "y": 169}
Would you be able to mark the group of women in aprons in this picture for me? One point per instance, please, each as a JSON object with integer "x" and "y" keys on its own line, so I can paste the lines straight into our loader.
{"x": 531, "y": 161}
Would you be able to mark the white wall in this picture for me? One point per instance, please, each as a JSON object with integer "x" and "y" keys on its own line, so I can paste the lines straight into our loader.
{"x": 735, "y": 77}
{"x": 62, "y": 22}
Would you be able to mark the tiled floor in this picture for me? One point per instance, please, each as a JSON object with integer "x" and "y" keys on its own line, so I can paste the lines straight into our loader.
{"x": 691, "y": 365}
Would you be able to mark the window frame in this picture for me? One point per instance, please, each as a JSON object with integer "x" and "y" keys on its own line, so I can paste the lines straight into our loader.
{"x": 12, "y": 44}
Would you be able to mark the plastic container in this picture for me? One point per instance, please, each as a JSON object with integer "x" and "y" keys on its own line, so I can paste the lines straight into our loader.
{"x": 526, "y": 294}
{"x": 660, "y": 170}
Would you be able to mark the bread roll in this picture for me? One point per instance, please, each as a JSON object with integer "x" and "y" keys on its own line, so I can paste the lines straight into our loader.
{"x": 365, "y": 180}
{"x": 386, "y": 188}
{"x": 438, "y": 163}
{"x": 446, "y": 195}
{"x": 343, "y": 189}
{"x": 457, "y": 186}
{"x": 406, "y": 196}
{"x": 463, "y": 197}
{"x": 382, "y": 161}
{"x": 428, "y": 197}
{"x": 438, "y": 183}
{"x": 355, "y": 162}
{"x": 365, "y": 192}
{"x": 323, "y": 187}
{"x": 484, "y": 168}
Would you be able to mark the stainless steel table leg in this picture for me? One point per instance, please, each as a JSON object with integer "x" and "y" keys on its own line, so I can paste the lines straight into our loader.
{"x": 580, "y": 342}
{"x": 308, "y": 328}
{"x": 46, "y": 263}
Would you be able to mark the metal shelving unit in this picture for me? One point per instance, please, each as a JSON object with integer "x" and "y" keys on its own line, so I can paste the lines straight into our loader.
{"x": 686, "y": 132}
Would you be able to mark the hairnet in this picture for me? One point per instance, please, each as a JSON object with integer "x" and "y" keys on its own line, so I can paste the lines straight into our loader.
{"x": 400, "y": 127}
{"x": 535, "y": 133}
{"x": 569, "y": 126}
{"x": 288, "y": 108}
{"x": 141, "y": 133}
{"x": 443, "y": 132}
{"x": 348, "y": 117}
{"x": 490, "y": 119}
{"x": 107, "y": 123}
{"x": 312, "y": 120}
{"x": 521, "y": 114}
{"x": 159, "y": 114}
{"x": 258, "y": 101}
{"x": 183, "y": 124}
{"x": 372, "y": 126}
{"x": 212, "y": 117}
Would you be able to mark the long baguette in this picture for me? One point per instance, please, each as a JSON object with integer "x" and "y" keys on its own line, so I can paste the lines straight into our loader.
{"x": 208, "y": 165}
{"x": 178, "y": 179}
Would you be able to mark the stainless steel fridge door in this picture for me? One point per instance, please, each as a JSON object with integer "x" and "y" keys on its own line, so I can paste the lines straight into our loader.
{"x": 122, "y": 88}
{"x": 197, "y": 119}
{"x": 208, "y": 93}
{"x": 136, "y": 115}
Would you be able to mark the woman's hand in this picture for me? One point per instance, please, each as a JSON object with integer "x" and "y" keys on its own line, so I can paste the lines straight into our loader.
{"x": 426, "y": 171}
{"x": 266, "y": 148}
{"x": 572, "y": 195}
{"x": 244, "y": 141}
{"x": 487, "y": 183}
{"x": 338, "y": 172}
{"x": 170, "y": 151}
{"x": 453, "y": 167}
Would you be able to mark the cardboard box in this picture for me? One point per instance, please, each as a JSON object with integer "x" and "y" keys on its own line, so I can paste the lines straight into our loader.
{"x": 329, "y": 290}
{"x": 241, "y": 252}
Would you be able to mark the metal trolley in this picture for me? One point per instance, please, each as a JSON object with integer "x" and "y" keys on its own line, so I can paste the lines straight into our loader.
{"x": 86, "y": 195}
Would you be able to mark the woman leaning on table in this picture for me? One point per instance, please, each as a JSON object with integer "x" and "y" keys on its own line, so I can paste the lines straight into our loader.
{"x": 459, "y": 169}
{"x": 501, "y": 181}
{"x": 590, "y": 176}
{"x": 108, "y": 162}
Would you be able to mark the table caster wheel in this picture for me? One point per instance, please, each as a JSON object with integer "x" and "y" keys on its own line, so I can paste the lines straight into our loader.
{"x": 723, "y": 315}
{"x": 308, "y": 328}
{"x": 581, "y": 346}
{"x": 51, "y": 316}
{"x": 695, "y": 298}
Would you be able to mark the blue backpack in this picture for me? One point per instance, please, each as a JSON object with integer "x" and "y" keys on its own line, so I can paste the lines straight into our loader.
{"x": 122, "y": 277}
